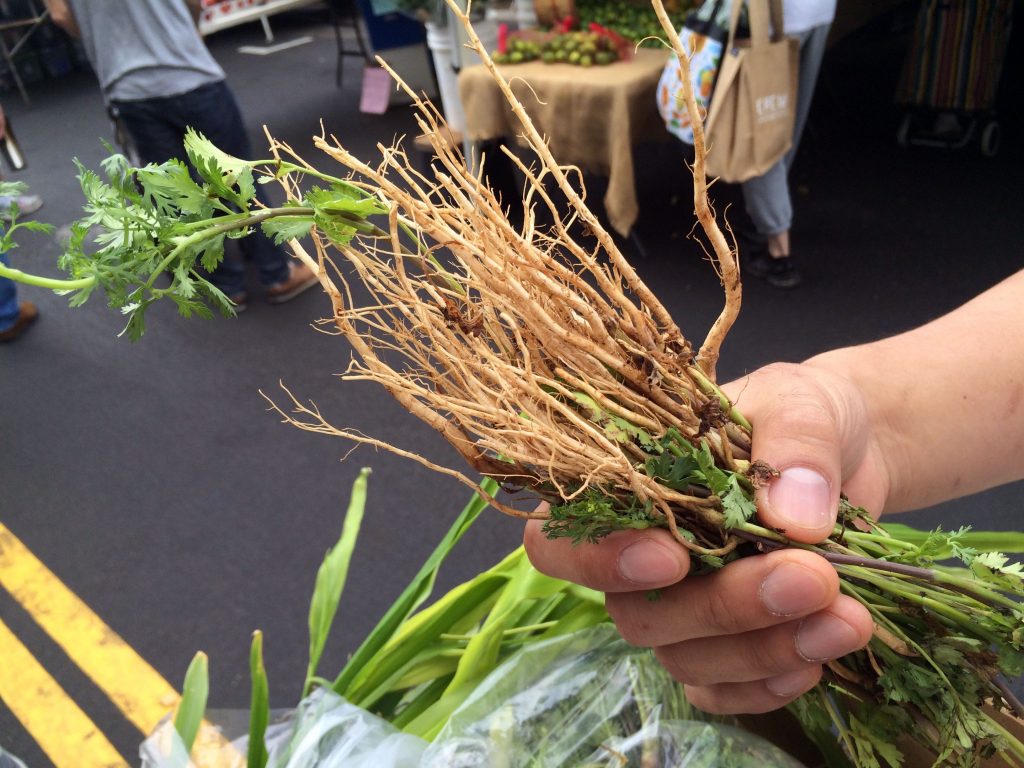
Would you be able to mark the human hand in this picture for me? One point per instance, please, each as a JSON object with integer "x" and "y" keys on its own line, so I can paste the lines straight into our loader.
{"x": 753, "y": 636}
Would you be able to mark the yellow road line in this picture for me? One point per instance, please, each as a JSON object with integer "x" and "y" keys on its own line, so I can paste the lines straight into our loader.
{"x": 62, "y": 730}
{"x": 132, "y": 684}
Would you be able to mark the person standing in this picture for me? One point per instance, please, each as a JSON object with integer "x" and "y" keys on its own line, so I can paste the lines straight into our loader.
{"x": 15, "y": 316}
{"x": 160, "y": 79}
{"x": 767, "y": 198}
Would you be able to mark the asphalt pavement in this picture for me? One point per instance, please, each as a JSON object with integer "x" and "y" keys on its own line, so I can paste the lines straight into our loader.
{"x": 153, "y": 481}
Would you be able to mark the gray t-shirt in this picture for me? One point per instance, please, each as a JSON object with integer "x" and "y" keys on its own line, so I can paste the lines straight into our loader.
{"x": 144, "y": 49}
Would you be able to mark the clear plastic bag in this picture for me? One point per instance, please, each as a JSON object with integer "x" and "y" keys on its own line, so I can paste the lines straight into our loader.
{"x": 586, "y": 699}
{"x": 165, "y": 749}
{"x": 589, "y": 699}
{"x": 7, "y": 760}
{"x": 328, "y": 731}
{"x": 689, "y": 744}
{"x": 324, "y": 731}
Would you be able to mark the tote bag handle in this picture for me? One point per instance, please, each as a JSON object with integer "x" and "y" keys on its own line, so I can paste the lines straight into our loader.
{"x": 759, "y": 21}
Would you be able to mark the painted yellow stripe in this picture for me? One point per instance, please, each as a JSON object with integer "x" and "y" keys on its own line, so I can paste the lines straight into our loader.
{"x": 131, "y": 683}
{"x": 62, "y": 730}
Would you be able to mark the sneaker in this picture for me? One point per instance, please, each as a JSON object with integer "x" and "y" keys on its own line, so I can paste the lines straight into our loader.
{"x": 27, "y": 314}
{"x": 241, "y": 301}
{"x": 300, "y": 278}
{"x": 26, "y": 204}
{"x": 779, "y": 273}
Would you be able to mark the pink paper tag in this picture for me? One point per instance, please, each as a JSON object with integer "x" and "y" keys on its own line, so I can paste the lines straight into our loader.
{"x": 376, "y": 91}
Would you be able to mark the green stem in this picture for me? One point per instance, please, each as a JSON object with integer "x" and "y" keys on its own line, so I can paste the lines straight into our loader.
{"x": 525, "y": 629}
{"x": 708, "y": 387}
{"x": 54, "y": 284}
{"x": 878, "y": 541}
{"x": 965, "y": 585}
{"x": 287, "y": 167}
{"x": 918, "y": 594}
{"x": 227, "y": 223}
{"x": 1016, "y": 747}
{"x": 872, "y": 600}
{"x": 840, "y": 724}
{"x": 224, "y": 225}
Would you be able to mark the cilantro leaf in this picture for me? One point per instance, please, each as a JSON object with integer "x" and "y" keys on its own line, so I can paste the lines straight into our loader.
{"x": 738, "y": 507}
{"x": 287, "y": 228}
{"x": 221, "y": 172}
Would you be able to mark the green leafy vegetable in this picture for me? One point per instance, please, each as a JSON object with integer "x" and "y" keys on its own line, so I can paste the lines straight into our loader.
{"x": 157, "y": 232}
{"x": 189, "y": 715}
{"x": 259, "y": 705}
{"x": 331, "y": 577}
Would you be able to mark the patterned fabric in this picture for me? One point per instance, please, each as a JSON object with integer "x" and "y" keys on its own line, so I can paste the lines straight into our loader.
{"x": 703, "y": 36}
{"x": 956, "y": 54}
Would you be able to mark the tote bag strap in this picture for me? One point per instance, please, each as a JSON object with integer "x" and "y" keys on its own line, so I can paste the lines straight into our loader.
{"x": 761, "y": 12}
{"x": 778, "y": 20}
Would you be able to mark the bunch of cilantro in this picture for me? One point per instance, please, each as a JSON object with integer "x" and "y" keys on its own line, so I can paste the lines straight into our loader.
{"x": 157, "y": 232}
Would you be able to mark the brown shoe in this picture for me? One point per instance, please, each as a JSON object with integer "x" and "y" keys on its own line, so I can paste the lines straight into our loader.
{"x": 301, "y": 278}
{"x": 27, "y": 314}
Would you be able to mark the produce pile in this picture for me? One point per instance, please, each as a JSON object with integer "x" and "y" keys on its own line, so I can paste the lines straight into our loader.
{"x": 518, "y": 48}
{"x": 598, "y": 32}
{"x": 584, "y": 49}
{"x": 539, "y": 354}
{"x": 633, "y": 20}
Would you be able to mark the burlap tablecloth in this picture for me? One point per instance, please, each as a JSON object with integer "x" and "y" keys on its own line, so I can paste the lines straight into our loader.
{"x": 592, "y": 116}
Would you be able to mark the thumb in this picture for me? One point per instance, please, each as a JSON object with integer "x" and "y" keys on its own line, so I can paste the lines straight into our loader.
{"x": 809, "y": 427}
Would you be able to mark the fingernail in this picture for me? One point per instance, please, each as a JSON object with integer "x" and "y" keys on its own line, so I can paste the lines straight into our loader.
{"x": 823, "y": 637}
{"x": 793, "y": 589}
{"x": 648, "y": 562}
{"x": 801, "y": 498}
{"x": 792, "y": 683}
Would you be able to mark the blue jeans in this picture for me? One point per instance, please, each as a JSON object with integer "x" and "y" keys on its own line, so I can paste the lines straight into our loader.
{"x": 8, "y": 300}
{"x": 157, "y": 127}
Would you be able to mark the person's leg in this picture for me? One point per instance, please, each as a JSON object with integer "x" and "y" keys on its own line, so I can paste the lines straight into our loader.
{"x": 770, "y": 208}
{"x": 15, "y": 316}
{"x": 812, "y": 51}
{"x": 8, "y": 301}
{"x": 768, "y": 203}
{"x": 767, "y": 197}
{"x": 157, "y": 128}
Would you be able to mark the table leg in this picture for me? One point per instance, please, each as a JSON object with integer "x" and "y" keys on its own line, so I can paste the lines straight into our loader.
{"x": 8, "y": 58}
{"x": 267, "y": 31}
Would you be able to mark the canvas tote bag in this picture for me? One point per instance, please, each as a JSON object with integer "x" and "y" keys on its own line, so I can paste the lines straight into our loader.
{"x": 750, "y": 124}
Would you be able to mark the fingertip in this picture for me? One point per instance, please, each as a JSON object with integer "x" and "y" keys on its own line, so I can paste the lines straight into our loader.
{"x": 798, "y": 583}
{"x": 801, "y": 502}
{"x": 624, "y": 561}
{"x": 648, "y": 563}
{"x": 858, "y": 616}
{"x": 757, "y": 697}
{"x": 790, "y": 685}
